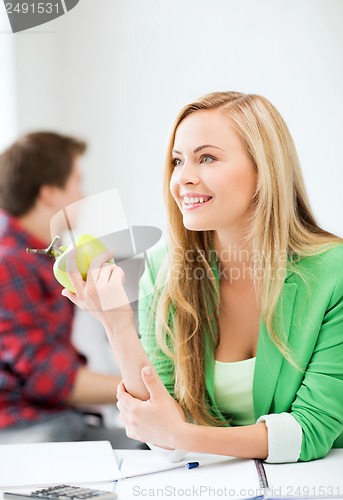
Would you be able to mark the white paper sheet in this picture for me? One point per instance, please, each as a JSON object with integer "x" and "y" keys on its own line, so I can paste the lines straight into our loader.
{"x": 54, "y": 463}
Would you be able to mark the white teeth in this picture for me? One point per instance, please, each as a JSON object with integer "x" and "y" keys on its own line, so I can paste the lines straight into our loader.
{"x": 190, "y": 200}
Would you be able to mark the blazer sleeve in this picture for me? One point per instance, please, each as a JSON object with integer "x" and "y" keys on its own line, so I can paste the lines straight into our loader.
{"x": 318, "y": 406}
{"x": 148, "y": 288}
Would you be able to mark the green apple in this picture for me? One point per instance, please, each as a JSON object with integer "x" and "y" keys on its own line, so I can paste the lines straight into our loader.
{"x": 87, "y": 247}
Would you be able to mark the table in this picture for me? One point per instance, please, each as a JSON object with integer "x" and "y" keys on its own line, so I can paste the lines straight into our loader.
{"x": 220, "y": 477}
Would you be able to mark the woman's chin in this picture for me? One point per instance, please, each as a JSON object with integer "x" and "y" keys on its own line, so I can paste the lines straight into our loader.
{"x": 196, "y": 226}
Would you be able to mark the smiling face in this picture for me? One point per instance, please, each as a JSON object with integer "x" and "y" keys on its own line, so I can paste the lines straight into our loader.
{"x": 214, "y": 178}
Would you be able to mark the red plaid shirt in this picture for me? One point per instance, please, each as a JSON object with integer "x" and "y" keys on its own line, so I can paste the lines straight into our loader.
{"x": 38, "y": 362}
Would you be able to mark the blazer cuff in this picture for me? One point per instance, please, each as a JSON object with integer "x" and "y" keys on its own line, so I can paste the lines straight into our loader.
{"x": 284, "y": 437}
{"x": 170, "y": 455}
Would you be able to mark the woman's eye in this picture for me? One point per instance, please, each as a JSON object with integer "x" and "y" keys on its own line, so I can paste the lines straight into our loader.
{"x": 176, "y": 162}
{"x": 207, "y": 159}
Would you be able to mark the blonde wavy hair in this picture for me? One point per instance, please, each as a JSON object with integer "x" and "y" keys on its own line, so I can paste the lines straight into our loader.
{"x": 282, "y": 224}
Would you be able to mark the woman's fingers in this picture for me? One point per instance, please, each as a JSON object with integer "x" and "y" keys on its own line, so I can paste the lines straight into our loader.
{"x": 117, "y": 274}
{"x": 105, "y": 273}
{"x": 97, "y": 263}
{"x": 71, "y": 296}
{"x": 120, "y": 389}
{"x": 103, "y": 289}
{"x": 126, "y": 401}
{"x": 98, "y": 266}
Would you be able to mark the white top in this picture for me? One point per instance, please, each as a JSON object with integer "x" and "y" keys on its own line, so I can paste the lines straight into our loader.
{"x": 233, "y": 390}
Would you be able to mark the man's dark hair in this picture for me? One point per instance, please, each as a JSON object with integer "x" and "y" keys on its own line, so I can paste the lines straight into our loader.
{"x": 33, "y": 161}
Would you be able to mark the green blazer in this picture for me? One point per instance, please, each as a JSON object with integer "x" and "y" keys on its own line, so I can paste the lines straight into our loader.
{"x": 313, "y": 325}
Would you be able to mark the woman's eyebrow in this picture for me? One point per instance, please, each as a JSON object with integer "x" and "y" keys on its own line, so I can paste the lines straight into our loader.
{"x": 199, "y": 149}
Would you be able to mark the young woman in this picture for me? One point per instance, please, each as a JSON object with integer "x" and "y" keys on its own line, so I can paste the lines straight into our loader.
{"x": 241, "y": 317}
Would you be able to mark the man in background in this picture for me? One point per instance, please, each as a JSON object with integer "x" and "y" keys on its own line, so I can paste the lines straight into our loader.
{"x": 43, "y": 378}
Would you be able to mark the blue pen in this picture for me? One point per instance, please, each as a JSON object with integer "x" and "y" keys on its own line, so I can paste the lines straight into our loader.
{"x": 116, "y": 481}
{"x": 189, "y": 465}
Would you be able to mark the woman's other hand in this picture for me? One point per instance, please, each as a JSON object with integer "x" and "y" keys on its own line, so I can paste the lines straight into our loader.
{"x": 156, "y": 420}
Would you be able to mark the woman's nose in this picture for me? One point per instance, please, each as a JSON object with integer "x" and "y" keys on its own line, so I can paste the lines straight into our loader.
{"x": 188, "y": 174}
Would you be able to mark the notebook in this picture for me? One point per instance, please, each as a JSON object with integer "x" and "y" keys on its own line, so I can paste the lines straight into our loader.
{"x": 220, "y": 477}
{"x": 54, "y": 463}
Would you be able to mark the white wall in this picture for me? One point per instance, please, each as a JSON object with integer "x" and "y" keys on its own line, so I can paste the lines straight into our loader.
{"x": 116, "y": 72}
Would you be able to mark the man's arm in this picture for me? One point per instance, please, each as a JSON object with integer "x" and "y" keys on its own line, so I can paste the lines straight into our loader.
{"x": 93, "y": 388}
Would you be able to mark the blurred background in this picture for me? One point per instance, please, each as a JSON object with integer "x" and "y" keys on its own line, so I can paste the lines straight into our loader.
{"x": 116, "y": 72}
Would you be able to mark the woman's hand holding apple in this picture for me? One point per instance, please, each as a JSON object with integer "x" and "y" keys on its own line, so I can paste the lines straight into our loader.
{"x": 93, "y": 282}
{"x": 102, "y": 294}
{"x": 87, "y": 248}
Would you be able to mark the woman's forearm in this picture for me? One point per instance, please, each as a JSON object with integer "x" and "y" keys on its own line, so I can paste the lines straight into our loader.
{"x": 130, "y": 355}
{"x": 249, "y": 441}
{"x": 106, "y": 299}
